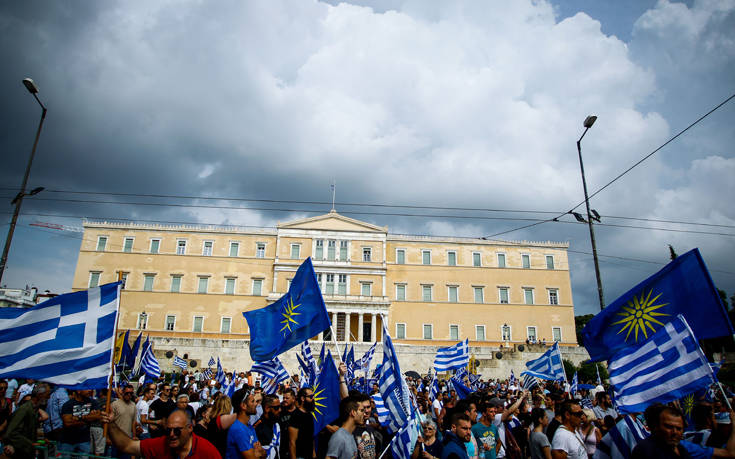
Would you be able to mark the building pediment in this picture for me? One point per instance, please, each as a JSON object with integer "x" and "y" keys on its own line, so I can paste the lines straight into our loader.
{"x": 333, "y": 222}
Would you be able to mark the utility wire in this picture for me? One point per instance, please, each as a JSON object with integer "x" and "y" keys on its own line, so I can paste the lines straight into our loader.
{"x": 625, "y": 171}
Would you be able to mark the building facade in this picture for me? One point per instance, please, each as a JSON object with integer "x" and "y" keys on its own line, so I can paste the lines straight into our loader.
{"x": 194, "y": 282}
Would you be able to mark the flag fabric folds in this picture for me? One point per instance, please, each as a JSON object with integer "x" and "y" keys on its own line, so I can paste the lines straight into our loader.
{"x": 434, "y": 389}
{"x": 137, "y": 369}
{"x": 452, "y": 357}
{"x": 308, "y": 357}
{"x": 220, "y": 376}
{"x": 549, "y": 366}
{"x": 149, "y": 364}
{"x": 181, "y": 363}
{"x": 381, "y": 410}
{"x": 297, "y": 316}
{"x": 528, "y": 382}
{"x": 393, "y": 387}
{"x": 666, "y": 367}
{"x": 403, "y": 443}
{"x": 460, "y": 388}
{"x": 512, "y": 381}
{"x": 211, "y": 362}
{"x": 575, "y": 385}
{"x": 133, "y": 356}
{"x": 326, "y": 395}
{"x": 273, "y": 370}
{"x": 207, "y": 373}
{"x": 364, "y": 363}
{"x": 67, "y": 340}
{"x": 620, "y": 441}
{"x": 684, "y": 286}
{"x": 125, "y": 350}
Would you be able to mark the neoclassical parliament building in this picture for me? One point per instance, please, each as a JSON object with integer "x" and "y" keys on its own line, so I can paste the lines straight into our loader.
{"x": 190, "y": 284}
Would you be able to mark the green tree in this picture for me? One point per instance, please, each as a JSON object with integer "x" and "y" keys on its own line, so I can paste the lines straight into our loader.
{"x": 588, "y": 372}
{"x": 570, "y": 369}
{"x": 579, "y": 323}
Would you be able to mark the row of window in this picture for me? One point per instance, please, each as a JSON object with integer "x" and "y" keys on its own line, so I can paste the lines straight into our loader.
{"x": 202, "y": 283}
{"x": 476, "y": 259}
{"x": 506, "y": 332}
{"x": 427, "y": 294}
{"x": 329, "y": 287}
{"x": 401, "y": 329}
{"x": 181, "y": 247}
{"x": 331, "y": 253}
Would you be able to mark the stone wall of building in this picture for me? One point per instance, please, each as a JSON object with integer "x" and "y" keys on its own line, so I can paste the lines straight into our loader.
{"x": 235, "y": 355}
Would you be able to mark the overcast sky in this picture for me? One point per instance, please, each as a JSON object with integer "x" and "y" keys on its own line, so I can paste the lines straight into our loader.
{"x": 472, "y": 105}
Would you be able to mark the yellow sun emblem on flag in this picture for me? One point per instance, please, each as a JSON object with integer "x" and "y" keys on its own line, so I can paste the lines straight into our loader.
{"x": 288, "y": 315}
{"x": 687, "y": 403}
{"x": 318, "y": 398}
{"x": 640, "y": 314}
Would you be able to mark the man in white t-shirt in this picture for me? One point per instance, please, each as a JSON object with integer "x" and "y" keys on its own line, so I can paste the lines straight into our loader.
{"x": 437, "y": 405}
{"x": 567, "y": 443}
{"x": 505, "y": 414}
{"x": 141, "y": 412}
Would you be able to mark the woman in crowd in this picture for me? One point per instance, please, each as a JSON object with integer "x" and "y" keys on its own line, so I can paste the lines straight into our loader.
{"x": 428, "y": 446}
{"x": 589, "y": 432}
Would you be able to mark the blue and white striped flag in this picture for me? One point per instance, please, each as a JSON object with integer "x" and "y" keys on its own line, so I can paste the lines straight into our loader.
{"x": 666, "y": 367}
{"x": 549, "y": 365}
{"x": 149, "y": 364}
{"x": 308, "y": 358}
{"x": 181, "y": 363}
{"x": 452, "y": 357}
{"x": 207, "y": 373}
{"x": 599, "y": 380}
{"x": 433, "y": 388}
{"x": 461, "y": 373}
{"x": 211, "y": 362}
{"x": 620, "y": 441}
{"x": 575, "y": 385}
{"x": 364, "y": 363}
{"x": 393, "y": 387}
{"x": 402, "y": 445}
{"x": 381, "y": 410}
{"x": 271, "y": 369}
{"x": 67, "y": 340}
{"x": 528, "y": 382}
{"x": 220, "y": 377}
{"x": 271, "y": 451}
{"x": 512, "y": 381}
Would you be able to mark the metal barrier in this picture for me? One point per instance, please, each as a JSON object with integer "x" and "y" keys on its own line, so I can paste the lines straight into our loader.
{"x": 47, "y": 449}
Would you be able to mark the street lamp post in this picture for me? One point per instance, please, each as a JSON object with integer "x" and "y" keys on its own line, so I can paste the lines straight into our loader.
{"x": 588, "y": 122}
{"x": 33, "y": 89}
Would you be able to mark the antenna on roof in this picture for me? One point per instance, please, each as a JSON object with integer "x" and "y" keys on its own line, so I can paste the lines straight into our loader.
{"x": 333, "y": 186}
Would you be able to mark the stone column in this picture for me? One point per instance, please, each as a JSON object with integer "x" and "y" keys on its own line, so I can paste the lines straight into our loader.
{"x": 373, "y": 328}
{"x": 360, "y": 327}
{"x": 347, "y": 327}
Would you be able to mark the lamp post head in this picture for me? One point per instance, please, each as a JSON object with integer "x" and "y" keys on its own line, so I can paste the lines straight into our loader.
{"x": 30, "y": 85}
{"x": 589, "y": 121}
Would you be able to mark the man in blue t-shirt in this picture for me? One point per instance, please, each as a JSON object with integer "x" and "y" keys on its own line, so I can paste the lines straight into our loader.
{"x": 241, "y": 438}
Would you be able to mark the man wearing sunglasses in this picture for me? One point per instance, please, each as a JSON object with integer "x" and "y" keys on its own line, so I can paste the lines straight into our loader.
{"x": 159, "y": 410}
{"x": 567, "y": 443}
{"x": 178, "y": 440}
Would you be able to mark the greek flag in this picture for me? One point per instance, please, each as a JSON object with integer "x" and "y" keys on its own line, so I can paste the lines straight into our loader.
{"x": 512, "y": 381}
{"x": 459, "y": 387}
{"x": 666, "y": 367}
{"x": 393, "y": 387}
{"x": 528, "y": 382}
{"x": 434, "y": 388}
{"x": 149, "y": 364}
{"x": 181, "y": 363}
{"x": 309, "y": 358}
{"x": 548, "y": 366}
{"x": 211, "y": 362}
{"x": 67, "y": 340}
{"x": 207, "y": 373}
{"x": 220, "y": 376}
{"x": 272, "y": 369}
{"x": 575, "y": 385}
{"x": 620, "y": 441}
{"x": 271, "y": 451}
{"x": 381, "y": 410}
{"x": 364, "y": 363}
{"x": 452, "y": 357}
{"x": 403, "y": 443}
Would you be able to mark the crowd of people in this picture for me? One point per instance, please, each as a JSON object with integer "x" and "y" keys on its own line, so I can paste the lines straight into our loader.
{"x": 191, "y": 416}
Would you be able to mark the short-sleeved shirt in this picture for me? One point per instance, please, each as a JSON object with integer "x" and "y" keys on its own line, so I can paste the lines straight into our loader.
{"x": 157, "y": 410}
{"x": 158, "y": 447}
{"x": 240, "y": 438}
{"x": 77, "y": 434}
{"x": 342, "y": 445}
{"x": 305, "y": 441}
{"x": 124, "y": 416}
{"x": 601, "y": 413}
{"x": 538, "y": 441}
{"x": 141, "y": 409}
{"x": 569, "y": 442}
{"x": 486, "y": 436}
{"x": 366, "y": 442}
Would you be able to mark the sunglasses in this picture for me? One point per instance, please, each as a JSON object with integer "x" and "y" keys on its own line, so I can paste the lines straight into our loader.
{"x": 579, "y": 414}
{"x": 176, "y": 431}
